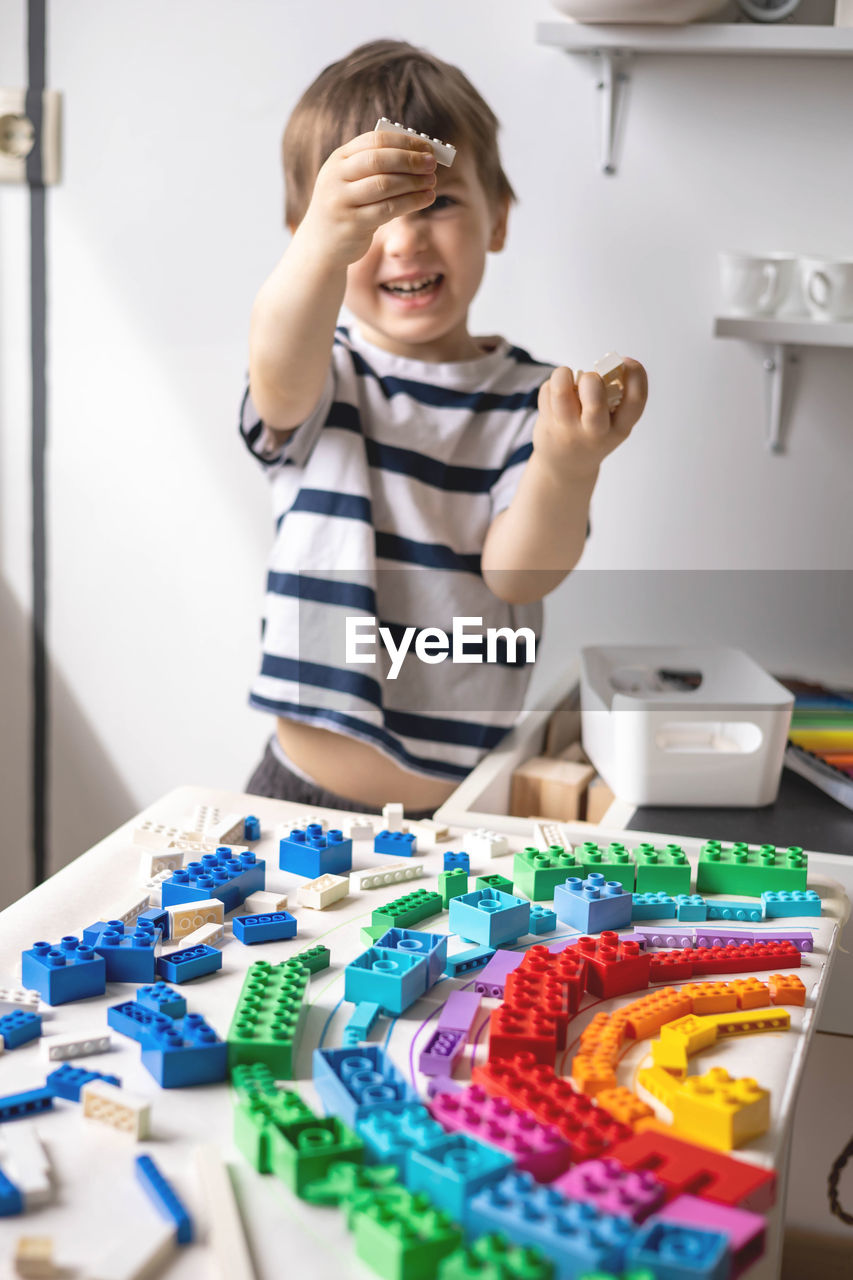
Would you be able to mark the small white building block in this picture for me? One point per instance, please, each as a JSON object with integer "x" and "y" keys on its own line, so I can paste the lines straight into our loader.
{"x": 444, "y": 152}
{"x": 118, "y": 1108}
{"x": 486, "y": 844}
{"x": 154, "y": 888}
{"x": 227, "y": 1238}
{"x": 264, "y": 901}
{"x": 322, "y": 892}
{"x": 78, "y": 1045}
{"x": 186, "y": 917}
{"x": 611, "y": 370}
{"x": 206, "y": 822}
{"x": 209, "y": 935}
{"x": 428, "y": 833}
{"x": 360, "y": 828}
{"x": 547, "y": 834}
{"x": 140, "y": 1254}
{"x": 24, "y": 1162}
{"x": 34, "y": 1258}
{"x": 154, "y": 835}
{"x": 393, "y": 873}
{"x": 128, "y": 907}
{"x": 18, "y": 1000}
{"x": 392, "y": 817}
{"x": 153, "y": 860}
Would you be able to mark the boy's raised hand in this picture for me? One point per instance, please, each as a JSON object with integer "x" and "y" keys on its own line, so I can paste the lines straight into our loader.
{"x": 575, "y": 430}
{"x": 363, "y": 184}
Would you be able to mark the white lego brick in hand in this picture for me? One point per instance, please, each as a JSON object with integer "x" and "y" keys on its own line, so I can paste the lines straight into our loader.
{"x": 264, "y": 901}
{"x": 186, "y": 917}
{"x": 209, "y": 935}
{"x": 322, "y": 892}
{"x": 110, "y": 1105}
{"x": 60, "y": 1048}
{"x": 392, "y": 873}
{"x": 444, "y": 152}
{"x": 18, "y": 1000}
{"x": 489, "y": 844}
{"x": 25, "y": 1163}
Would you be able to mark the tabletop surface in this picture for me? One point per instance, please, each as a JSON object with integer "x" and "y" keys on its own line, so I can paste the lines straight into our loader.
{"x": 93, "y": 1165}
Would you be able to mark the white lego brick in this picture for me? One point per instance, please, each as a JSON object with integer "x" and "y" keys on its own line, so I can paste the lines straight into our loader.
{"x": 485, "y": 843}
{"x": 547, "y": 834}
{"x": 24, "y": 1162}
{"x": 611, "y": 370}
{"x": 129, "y": 907}
{"x": 118, "y": 1108}
{"x": 392, "y": 817}
{"x": 60, "y": 1048}
{"x": 209, "y": 823}
{"x": 359, "y": 828}
{"x": 298, "y": 822}
{"x": 34, "y": 1259}
{"x": 152, "y": 861}
{"x": 391, "y": 873}
{"x": 227, "y": 1238}
{"x": 137, "y": 1255}
{"x": 428, "y": 833}
{"x": 18, "y": 1000}
{"x": 444, "y": 152}
{"x": 154, "y": 888}
{"x": 322, "y": 892}
{"x": 154, "y": 835}
{"x": 209, "y": 935}
{"x": 187, "y": 917}
{"x": 263, "y": 901}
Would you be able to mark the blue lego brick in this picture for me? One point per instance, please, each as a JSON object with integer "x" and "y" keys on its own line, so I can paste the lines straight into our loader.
{"x": 593, "y": 904}
{"x": 251, "y": 828}
{"x": 675, "y": 1252}
{"x": 391, "y": 979}
{"x": 130, "y": 1018}
{"x": 351, "y": 1082}
{"x": 653, "y": 906}
{"x": 17, "y": 1106}
{"x": 231, "y": 878}
{"x": 457, "y": 862}
{"x": 159, "y": 918}
{"x": 542, "y": 919}
{"x": 391, "y": 1134}
{"x": 271, "y": 927}
{"x": 799, "y": 902}
{"x": 165, "y": 1198}
{"x": 575, "y": 1236}
{"x": 736, "y": 910}
{"x": 19, "y": 1028}
{"x": 11, "y": 1199}
{"x": 129, "y": 951}
{"x": 489, "y": 917}
{"x": 160, "y": 998}
{"x": 468, "y": 961}
{"x": 690, "y": 906}
{"x": 192, "y": 962}
{"x": 400, "y": 843}
{"x": 183, "y": 1051}
{"x": 314, "y": 853}
{"x": 415, "y": 943}
{"x": 69, "y": 971}
{"x": 454, "y": 1169}
{"x": 362, "y": 1020}
{"x": 67, "y": 1081}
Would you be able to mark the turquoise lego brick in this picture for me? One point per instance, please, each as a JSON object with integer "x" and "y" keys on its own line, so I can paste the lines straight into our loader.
{"x": 797, "y": 903}
{"x": 223, "y": 874}
{"x": 392, "y": 979}
{"x": 489, "y": 917}
{"x": 616, "y": 862}
{"x": 400, "y": 844}
{"x": 67, "y": 1081}
{"x": 352, "y": 1082}
{"x": 675, "y": 1252}
{"x": 453, "y": 1169}
{"x": 361, "y": 1023}
{"x": 71, "y": 970}
{"x": 179, "y": 1052}
{"x": 593, "y": 905}
{"x": 735, "y": 911}
{"x": 737, "y": 869}
{"x": 165, "y": 1198}
{"x": 691, "y": 906}
{"x": 391, "y": 1135}
{"x": 431, "y": 946}
{"x": 537, "y": 872}
{"x": 19, "y": 1028}
{"x": 189, "y": 963}
{"x": 468, "y": 961}
{"x": 653, "y": 906}
{"x": 663, "y": 870}
{"x": 542, "y": 919}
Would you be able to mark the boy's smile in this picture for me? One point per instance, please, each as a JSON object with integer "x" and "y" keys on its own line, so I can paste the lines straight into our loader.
{"x": 411, "y": 291}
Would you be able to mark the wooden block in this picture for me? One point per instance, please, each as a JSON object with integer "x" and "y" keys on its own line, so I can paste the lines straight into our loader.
{"x": 549, "y": 788}
{"x": 599, "y": 798}
{"x": 574, "y": 751}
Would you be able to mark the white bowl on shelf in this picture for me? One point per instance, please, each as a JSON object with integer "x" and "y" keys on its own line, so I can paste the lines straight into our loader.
{"x": 673, "y": 12}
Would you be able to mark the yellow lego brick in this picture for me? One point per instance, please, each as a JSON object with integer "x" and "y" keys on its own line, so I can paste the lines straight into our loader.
{"x": 694, "y": 1031}
{"x": 660, "y": 1084}
{"x": 671, "y": 1056}
{"x": 750, "y": 1021}
{"x": 719, "y": 1111}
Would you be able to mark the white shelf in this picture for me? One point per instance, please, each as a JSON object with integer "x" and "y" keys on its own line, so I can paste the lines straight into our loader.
{"x": 782, "y": 40}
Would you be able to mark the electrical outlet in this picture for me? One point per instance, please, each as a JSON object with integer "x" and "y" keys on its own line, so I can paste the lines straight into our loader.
{"x": 17, "y": 135}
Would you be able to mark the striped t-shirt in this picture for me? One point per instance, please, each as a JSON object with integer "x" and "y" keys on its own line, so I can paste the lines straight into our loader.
{"x": 382, "y": 500}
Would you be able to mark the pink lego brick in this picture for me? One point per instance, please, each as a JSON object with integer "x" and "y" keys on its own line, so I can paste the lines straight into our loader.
{"x": 612, "y": 1189}
{"x": 537, "y": 1149}
{"x": 745, "y": 1231}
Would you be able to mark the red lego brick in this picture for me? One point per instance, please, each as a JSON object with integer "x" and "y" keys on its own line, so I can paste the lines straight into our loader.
{"x": 526, "y": 991}
{"x": 512, "y": 1031}
{"x": 744, "y": 958}
{"x": 670, "y": 966}
{"x": 566, "y": 967}
{"x": 685, "y": 1169}
{"x": 614, "y": 967}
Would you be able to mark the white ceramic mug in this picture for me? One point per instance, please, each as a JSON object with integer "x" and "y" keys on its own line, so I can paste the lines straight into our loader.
{"x": 755, "y": 284}
{"x": 827, "y": 288}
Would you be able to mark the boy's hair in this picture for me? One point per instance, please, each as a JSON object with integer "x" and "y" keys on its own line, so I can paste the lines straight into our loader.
{"x": 394, "y": 79}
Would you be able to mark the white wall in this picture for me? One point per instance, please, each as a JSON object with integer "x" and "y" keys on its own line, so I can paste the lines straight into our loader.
{"x": 168, "y": 218}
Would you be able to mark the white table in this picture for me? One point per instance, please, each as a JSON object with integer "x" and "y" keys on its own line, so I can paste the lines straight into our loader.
{"x": 98, "y": 1198}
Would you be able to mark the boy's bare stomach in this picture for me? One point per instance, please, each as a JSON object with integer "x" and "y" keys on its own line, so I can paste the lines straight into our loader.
{"x": 357, "y": 770}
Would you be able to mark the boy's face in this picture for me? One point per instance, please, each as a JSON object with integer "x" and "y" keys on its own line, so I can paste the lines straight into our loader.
{"x": 442, "y": 252}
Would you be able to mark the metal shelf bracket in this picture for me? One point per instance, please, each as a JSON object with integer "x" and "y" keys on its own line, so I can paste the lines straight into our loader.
{"x": 611, "y": 81}
{"x": 778, "y": 359}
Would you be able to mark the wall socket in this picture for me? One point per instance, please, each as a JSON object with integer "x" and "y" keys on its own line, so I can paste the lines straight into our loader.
{"x": 17, "y": 136}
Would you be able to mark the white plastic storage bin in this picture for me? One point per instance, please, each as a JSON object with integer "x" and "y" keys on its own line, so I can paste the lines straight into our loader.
{"x": 683, "y": 726}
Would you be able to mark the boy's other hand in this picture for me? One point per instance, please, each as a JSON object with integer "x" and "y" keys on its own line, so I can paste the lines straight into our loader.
{"x": 363, "y": 184}
{"x": 575, "y": 430}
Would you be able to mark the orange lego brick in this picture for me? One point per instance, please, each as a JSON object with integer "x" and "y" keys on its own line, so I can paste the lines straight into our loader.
{"x": 623, "y": 1105}
{"x": 751, "y": 993}
{"x": 646, "y": 1016}
{"x": 711, "y": 997}
{"x": 786, "y": 988}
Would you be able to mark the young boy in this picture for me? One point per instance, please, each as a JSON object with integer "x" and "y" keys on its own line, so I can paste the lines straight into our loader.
{"x": 413, "y": 480}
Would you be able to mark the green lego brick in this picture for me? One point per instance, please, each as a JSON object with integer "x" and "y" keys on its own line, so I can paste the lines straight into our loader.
{"x": 493, "y": 882}
{"x": 412, "y": 907}
{"x": 494, "y": 1257}
{"x": 371, "y": 933}
{"x": 352, "y": 1185}
{"x": 614, "y": 863}
{"x": 256, "y": 1119}
{"x": 452, "y": 884}
{"x": 405, "y": 1239}
{"x": 538, "y": 872}
{"x": 303, "y": 1152}
{"x": 662, "y": 870}
{"x": 316, "y": 958}
{"x": 268, "y": 1016}
{"x": 739, "y": 870}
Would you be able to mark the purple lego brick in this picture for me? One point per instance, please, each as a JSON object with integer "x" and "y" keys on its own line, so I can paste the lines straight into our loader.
{"x": 744, "y": 1231}
{"x": 460, "y": 1010}
{"x": 441, "y": 1052}
{"x": 440, "y": 1085}
{"x": 492, "y": 980}
{"x": 537, "y": 1149}
{"x": 803, "y": 939}
{"x": 713, "y": 934}
{"x": 613, "y": 1189}
{"x": 668, "y": 934}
